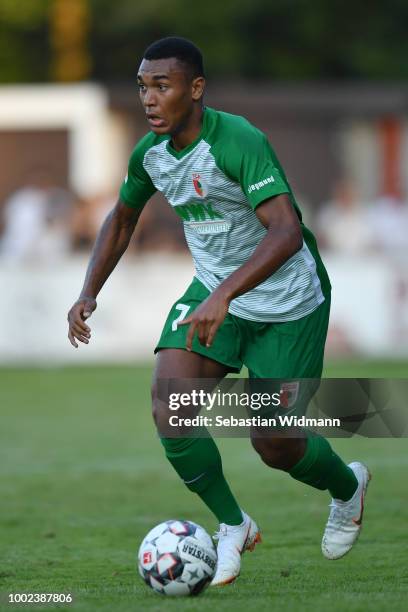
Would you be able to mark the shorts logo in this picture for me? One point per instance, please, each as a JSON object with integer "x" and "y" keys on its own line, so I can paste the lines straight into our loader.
{"x": 147, "y": 557}
{"x": 289, "y": 392}
{"x": 200, "y": 185}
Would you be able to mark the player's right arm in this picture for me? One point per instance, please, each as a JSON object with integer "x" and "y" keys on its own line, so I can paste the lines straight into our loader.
{"x": 112, "y": 241}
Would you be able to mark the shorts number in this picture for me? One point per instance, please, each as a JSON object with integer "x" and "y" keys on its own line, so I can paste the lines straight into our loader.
{"x": 183, "y": 308}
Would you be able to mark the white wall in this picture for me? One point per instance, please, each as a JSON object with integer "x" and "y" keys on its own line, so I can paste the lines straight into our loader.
{"x": 369, "y": 316}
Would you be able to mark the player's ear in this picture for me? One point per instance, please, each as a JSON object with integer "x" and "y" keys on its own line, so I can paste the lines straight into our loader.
{"x": 197, "y": 88}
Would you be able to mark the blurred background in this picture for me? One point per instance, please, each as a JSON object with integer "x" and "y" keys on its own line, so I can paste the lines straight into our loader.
{"x": 329, "y": 90}
{"x": 82, "y": 473}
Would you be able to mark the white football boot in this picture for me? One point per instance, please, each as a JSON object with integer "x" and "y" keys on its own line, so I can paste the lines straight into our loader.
{"x": 345, "y": 520}
{"x": 233, "y": 540}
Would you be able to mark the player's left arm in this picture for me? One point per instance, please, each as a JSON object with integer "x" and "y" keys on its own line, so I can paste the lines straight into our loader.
{"x": 282, "y": 240}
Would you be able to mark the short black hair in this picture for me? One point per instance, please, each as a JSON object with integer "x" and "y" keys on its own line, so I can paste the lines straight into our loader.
{"x": 180, "y": 48}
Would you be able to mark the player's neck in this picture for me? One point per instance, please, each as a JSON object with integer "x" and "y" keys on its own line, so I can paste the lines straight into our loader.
{"x": 190, "y": 132}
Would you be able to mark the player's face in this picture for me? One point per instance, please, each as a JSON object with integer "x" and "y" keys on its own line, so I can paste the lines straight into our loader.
{"x": 167, "y": 94}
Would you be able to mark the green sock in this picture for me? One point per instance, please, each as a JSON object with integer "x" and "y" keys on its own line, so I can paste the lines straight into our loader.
{"x": 321, "y": 468}
{"x": 198, "y": 463}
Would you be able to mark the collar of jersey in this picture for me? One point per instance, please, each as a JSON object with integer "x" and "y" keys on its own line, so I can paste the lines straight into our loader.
{"x": 192, "y": 145}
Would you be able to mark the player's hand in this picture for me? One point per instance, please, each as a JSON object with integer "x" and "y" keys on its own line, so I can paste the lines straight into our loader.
{"x": 206, "y": 319}
{"x": 78, "y": 329}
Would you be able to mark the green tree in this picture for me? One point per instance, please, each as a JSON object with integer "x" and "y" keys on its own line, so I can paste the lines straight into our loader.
{"x": 254, "y": 39}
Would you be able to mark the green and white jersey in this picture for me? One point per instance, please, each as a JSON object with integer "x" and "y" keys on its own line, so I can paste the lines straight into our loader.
{"x": 214, "y": 185}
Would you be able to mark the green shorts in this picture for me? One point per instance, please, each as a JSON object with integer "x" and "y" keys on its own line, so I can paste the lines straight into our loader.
{"x": 293, "y": 349}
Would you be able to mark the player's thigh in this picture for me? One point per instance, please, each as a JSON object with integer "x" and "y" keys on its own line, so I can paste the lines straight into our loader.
{"x": 179, "y": 377}
{"x": 225, "y": 348}
{"x": 287, "y": 358}
{"x": 179, "y": 372}
{"x": 180, "y": 363}
{"x": 294, "y": 349}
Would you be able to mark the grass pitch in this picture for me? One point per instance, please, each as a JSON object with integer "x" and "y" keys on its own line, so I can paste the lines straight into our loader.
{"x": 83, "y": 478}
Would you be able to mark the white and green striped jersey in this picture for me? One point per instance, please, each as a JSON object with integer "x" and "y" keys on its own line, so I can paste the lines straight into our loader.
{"x": 214, "y": 185}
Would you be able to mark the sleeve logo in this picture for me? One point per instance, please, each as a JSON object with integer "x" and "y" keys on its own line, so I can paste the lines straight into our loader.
{"x": 257, "y": 186}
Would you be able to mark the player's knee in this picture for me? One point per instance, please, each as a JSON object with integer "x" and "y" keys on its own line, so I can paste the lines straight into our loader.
{"x": 160, "y": 416}
{"x": 278, "y": 453}
{"x": 159, "y": 410}
{"x": 164, "y": 416}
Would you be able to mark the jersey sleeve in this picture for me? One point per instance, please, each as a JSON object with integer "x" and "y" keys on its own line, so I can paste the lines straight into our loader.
{"x": 137, "y": 187}
{"x": 253, "y": 163}
{"x": 260, "y": 177}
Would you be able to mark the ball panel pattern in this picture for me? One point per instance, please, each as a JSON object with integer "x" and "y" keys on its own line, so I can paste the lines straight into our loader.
{"x": 177, "y": 557}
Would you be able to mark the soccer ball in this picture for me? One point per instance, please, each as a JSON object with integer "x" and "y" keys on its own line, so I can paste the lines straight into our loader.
{"x": 177, "y": 558}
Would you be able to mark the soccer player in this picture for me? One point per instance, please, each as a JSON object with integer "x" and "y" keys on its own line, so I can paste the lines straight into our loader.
{"x": 260, "y": 295}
